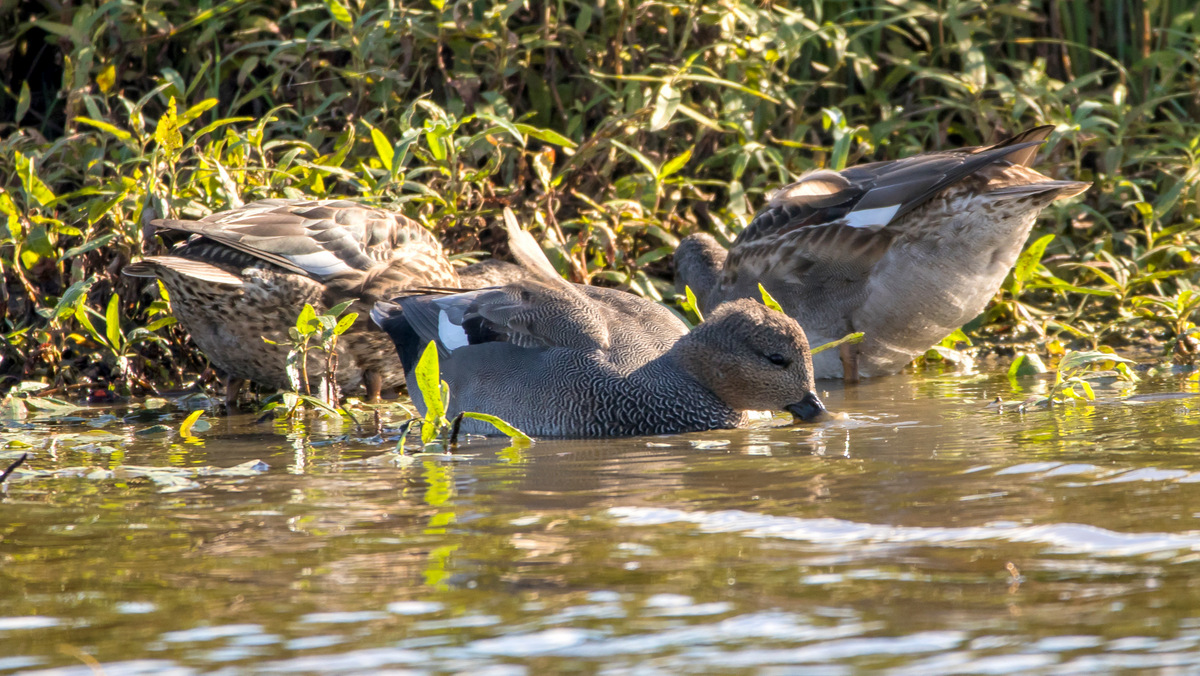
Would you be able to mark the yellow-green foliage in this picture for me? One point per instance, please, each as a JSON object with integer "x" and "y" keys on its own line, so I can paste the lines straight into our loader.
{"x": 617, "y": 126}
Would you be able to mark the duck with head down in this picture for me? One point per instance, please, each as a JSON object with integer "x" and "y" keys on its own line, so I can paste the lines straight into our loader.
{"x": 566, "y": 360}
{"x": 904, "y": 251}
{"x": 245, "y": 274}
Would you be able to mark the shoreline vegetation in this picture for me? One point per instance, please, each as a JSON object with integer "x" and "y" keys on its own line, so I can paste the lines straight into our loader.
{"x": 611, "y": 128}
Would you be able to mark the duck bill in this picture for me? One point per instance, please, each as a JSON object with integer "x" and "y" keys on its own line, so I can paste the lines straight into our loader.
{"x": 808, "y": 409}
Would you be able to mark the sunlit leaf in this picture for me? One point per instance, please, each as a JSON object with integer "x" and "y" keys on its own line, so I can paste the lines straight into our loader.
{"x": 851, "y": 338}
{"x": 512, "y": 432}
{"x": 185, "y": 428}
{"x": 665, "y": 105}
{"x": 429, "y": 381}
{"x": 1028, "y": 261}
{"x": 112, "y": 321}
{"x": 769, "y": 300}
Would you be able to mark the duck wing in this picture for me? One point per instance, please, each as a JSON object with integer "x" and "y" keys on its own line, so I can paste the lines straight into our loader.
{"x": 322, "y": 239}
{"x": 528, "y": 314}
{"x": 838, "y": 220}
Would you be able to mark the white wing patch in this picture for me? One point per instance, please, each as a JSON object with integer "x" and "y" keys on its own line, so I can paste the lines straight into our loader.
{"x": 871, "y": 218}
{"x": 321, "y": 263}
{"x": 450, "y": 335}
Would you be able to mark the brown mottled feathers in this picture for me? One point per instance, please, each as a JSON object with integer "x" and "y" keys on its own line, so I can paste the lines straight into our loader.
{"x": 245, "y": 274}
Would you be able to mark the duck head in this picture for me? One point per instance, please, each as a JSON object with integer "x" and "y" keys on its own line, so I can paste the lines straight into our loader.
{"x": 753, "y": 358}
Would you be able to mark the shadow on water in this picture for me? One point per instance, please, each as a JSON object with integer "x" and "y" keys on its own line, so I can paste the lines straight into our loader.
{"x": 928, "y": 530}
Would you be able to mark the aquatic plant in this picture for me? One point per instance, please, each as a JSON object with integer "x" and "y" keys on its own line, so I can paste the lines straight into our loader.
{"x": 438, "y": 432}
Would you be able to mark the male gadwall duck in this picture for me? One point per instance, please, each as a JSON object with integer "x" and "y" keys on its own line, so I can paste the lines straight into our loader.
{"x": 564, "y": 360}
{"x": 245, "y": 274}
{"x": 904, "y": 251}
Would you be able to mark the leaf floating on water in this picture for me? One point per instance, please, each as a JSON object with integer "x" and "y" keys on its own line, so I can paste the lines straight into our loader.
{"x": 710, "y": 443}
{"x": 153, "y": 430}
{"x": 391, "y": 460}
{"x": 245, "y": 469}
{"x": 154, "y": 402}
{"x": 50, "y": 405}
{"x": 13, "y": 408}
{"x": 185, "y": 430}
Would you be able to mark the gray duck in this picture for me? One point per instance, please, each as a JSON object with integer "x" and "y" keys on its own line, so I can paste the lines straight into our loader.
{"x": 904, "y": 251}
{"x": 245, "y": 274}
{"x": 566, "y": 360}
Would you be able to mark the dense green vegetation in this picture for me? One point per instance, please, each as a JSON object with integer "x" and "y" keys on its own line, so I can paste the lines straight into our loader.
{"x": 616, "y": 127}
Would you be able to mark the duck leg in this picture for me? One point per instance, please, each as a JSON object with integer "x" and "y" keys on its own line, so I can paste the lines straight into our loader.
{"x": 849, "y": 354}
{"x": 233, "y": 387}
{"x": 373, "y": 381}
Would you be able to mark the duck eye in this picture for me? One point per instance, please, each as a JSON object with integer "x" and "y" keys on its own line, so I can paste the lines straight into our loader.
{"x": 778, "y": 359}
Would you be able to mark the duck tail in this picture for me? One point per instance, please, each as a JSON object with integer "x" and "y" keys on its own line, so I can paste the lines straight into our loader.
{"x": 1027, "y": 144}
{"x": 390, "y": 317}
{"x": 1060, "y": 189}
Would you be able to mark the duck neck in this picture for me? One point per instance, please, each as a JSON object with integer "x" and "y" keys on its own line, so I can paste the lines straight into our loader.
{"x": 699, "y": 261}
{"x": 685, "y": 401}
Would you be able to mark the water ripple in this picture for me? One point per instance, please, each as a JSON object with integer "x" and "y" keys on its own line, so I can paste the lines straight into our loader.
{"x": 1067, "y": 538}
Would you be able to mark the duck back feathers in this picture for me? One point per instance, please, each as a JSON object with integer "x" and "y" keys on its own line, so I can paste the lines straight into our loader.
{"x": 244, "y": 275}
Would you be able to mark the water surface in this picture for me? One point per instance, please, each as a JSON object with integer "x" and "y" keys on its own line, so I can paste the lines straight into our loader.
{"x": 928, "y": 531}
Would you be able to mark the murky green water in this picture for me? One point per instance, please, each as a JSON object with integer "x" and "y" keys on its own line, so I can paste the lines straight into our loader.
{"x": 925, "y": 533}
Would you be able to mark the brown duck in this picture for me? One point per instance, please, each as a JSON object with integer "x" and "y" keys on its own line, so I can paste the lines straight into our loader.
{"x": 903, "y": 251}
{"x": 245, "y": 274}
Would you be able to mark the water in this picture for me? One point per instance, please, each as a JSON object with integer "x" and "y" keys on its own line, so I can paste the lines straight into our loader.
{"x": 926, "y": 532}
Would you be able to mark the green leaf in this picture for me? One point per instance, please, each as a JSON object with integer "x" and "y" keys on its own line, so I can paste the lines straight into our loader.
{"x": 1076, "y": 360}
{"x": 339, "y": 13}
{"x": 1026, "y": 365}
{"x": 22, "y": 102}
{"x": 665, "y": 105}
{"x": 112, "y": 321}
{"x": 12, "y": 217}
{"x": 81, "y": 316}
{"x": 384, "y": 149}
{"x": 505, "y": 125}
{"x": 691, "y": 304}
{"x": 34, "y": 188}
{"x": 72, "y": 298}
{"x": 513, "y": 433}
{"x": 641, "y": 159}
{"x": 106, "y": 127}
{"x": 955, "y": 338}
{"x": 429, "y": 381}
{"x": 306, "y": 323}
{"x": 769, "y": 300}
{"x": 1029, "y": 260}
{"x": 675, "y": 164}
{"x": 166, "y": 134}
{"x": 851, "y": 338}
{"x": 88, "y": 246}
{"x": 345, "y": 323}
{"x": 339, "y": 308}
{"x": 547, "y": 135}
